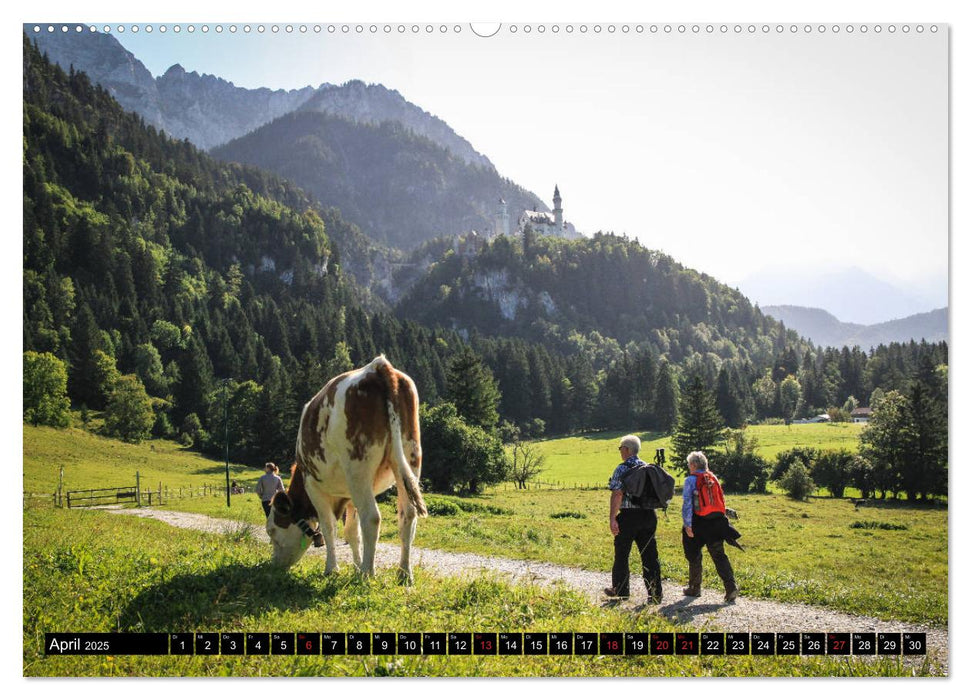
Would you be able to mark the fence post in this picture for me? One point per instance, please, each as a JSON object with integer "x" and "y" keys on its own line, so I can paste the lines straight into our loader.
{"x": 138, "y": 489}
{"x": 60, "y": 489}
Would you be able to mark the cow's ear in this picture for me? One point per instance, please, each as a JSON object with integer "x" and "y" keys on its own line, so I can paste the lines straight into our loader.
{"x": 281, "y": 501}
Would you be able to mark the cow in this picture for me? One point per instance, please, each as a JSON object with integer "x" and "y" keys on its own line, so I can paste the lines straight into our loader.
{"x": 357, "y": 437}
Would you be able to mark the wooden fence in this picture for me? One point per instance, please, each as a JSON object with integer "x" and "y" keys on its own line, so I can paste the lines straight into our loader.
{"x": 554, "y": 486}
{"x": 131, "y": 495}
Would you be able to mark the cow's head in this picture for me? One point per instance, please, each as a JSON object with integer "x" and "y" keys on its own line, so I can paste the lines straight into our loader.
{"x": 292, "y": 523}
{"x": 287, "y": 539}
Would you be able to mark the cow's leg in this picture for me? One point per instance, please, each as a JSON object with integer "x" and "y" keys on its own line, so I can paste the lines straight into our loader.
{"x": 328, "y": 526}
{"x": 407, "y": 519}
{"x": 368, "y": 516}
{"x": 352, "y": 533}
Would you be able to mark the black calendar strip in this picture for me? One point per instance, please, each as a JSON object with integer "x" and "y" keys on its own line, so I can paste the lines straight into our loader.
{"x": 488, "y": 643}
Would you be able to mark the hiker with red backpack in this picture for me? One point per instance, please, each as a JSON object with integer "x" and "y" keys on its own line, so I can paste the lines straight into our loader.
{"x": 706, "y": 525}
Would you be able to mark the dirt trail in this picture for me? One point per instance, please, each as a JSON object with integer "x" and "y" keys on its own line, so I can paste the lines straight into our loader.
{"x": 708, "y": 611}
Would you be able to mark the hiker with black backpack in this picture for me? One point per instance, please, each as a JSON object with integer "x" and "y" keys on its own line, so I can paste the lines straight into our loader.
{"x": 633, "y": 498}
{"x": 706, "y": 525}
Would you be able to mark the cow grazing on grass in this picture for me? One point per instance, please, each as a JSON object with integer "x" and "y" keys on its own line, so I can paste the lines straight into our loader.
{"x": 357, "y": 437}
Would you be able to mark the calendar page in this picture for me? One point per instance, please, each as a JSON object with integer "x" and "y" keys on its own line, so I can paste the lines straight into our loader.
{"x": 538, "y": 349}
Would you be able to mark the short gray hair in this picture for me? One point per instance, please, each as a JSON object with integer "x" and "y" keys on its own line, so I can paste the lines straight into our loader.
{"x": 631, "y": 442}
{"x": 698, "y": 459}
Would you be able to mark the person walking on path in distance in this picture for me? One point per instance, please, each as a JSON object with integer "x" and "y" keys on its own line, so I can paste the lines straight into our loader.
{"x": 706, "y": 525}
{"x": 268, "y": 485}
{"x": 631, "y": 523}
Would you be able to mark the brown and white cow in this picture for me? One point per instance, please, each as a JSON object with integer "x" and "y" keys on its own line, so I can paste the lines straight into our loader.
{"x": 357, "y": 437}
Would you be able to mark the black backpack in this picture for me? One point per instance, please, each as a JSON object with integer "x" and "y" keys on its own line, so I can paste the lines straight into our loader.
{"x": 648, "y": 486}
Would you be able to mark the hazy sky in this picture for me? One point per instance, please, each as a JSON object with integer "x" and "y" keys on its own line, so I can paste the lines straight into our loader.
{"x": 731, "y": 151}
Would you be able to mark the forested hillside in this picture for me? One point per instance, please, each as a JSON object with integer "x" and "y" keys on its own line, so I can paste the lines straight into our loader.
{"x": 214, "y": 294}
{"x": 399, "y": 187}
{"x": 213, "y": 284}
{"x": 553, "y": 290}
{"x": 143, "y": 255}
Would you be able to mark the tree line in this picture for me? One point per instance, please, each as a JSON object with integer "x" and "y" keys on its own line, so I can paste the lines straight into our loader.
{"x": 903, "y": 448}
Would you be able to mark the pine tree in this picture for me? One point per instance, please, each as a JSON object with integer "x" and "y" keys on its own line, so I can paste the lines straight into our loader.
{"x": 666, "y": 398}
{"x": 925, "y": 464}
{"x": 473, "y": 390}
{"x": 700, "y": 426}
{"x": 727, "y": 399}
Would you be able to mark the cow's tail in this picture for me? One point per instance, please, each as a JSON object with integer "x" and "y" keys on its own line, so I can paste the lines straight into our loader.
{"x": 403, "y": 467}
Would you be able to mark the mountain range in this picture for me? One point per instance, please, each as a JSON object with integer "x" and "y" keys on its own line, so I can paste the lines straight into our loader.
{"x": 401, "y": 174}
{"x": 401, "y": 177}
{"x": 824, "y": 329}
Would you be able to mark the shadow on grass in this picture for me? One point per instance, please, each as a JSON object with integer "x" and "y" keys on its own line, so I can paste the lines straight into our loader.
{"x": 599, "y": 436}
{"x": 900, "y": 504}
{"x": 249, "y": 477}
{"x": 222, "y": 596}
{"x": 683, "y": 610}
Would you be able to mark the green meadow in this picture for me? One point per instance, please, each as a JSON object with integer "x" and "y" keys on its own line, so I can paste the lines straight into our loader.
{"x": 589, "y": 460}
{"x": 823, "y": 552}
{"x": 91, "y": 461}
{"x": 98, "y": 572}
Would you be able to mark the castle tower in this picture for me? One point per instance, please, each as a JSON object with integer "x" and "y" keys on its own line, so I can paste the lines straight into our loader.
{"x": 557, "y": 208}
{"x": 502, "y": 218}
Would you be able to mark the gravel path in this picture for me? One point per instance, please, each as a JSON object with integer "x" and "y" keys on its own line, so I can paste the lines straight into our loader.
{"x": 708, "y": 611}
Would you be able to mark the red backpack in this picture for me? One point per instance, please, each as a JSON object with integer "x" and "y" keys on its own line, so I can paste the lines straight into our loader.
{"x": 708, "y": 496}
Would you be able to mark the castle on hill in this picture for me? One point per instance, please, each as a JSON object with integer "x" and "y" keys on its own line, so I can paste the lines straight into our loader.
{"x": 541, "y": 222}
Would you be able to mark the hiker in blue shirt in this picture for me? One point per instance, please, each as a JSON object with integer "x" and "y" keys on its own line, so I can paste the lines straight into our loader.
{"x": 630, "y": 523}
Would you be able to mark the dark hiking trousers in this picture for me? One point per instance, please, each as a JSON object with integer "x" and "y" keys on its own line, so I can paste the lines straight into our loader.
{"x": 266, "y": 507}
{"x": 636, "y": 526}
{"x": 716, "y": 550}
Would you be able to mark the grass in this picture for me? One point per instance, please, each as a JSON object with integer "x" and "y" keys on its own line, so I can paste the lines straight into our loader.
{"x": 590, "y": 459}
{"x": 801, "y": 552}
{"x": 91, "y": 461}
{"x": 96, "y": 572}
{"x": 796, "y": 552}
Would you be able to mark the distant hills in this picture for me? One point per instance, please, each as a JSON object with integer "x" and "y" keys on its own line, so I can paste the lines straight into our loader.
{"x": 823, "y": 328}
{"x": 851, "y": 294}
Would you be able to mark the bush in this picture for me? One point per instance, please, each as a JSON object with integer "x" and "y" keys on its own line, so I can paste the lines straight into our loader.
{"x": 838, "y": 415}
{"x": 458, "y": 456}
{"x": 568, "y": 514}
{"x": 876, "y": 525}
{"x": 784, "y": 460}
{"x": 437, "y": 505}
{"x": 797, "y": 482}
{"x": 832, "y": 470}
{"x": 861, "y": 475}
{"x": 740, "y": 469}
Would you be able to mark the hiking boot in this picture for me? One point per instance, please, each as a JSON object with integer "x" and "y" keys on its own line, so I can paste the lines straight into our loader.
{"x": 691, "y": 592}
{"x": 653, "y": 600}
{"x": 612, "y": 593}
{"x": 731, "y": 596}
